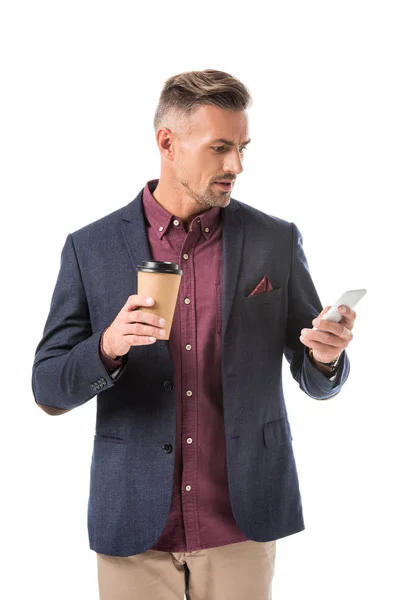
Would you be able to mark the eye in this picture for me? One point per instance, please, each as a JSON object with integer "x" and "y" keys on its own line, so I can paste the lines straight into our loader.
{"x": 218, "y": 148}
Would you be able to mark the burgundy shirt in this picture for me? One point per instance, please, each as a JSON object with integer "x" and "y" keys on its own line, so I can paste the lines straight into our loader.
{"x": 200, "y": 513}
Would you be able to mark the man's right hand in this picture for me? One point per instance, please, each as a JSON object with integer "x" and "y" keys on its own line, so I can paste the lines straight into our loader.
{"x": 132, "y": 327}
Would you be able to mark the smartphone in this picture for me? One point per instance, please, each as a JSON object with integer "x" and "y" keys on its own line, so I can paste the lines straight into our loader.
{"x": 349, "y": 298}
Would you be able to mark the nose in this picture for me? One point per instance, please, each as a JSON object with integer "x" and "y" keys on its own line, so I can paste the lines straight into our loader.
{"x": 233, "y": 163}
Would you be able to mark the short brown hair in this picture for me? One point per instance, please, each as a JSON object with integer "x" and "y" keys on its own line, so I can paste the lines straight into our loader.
{"x": 182, "y": 94}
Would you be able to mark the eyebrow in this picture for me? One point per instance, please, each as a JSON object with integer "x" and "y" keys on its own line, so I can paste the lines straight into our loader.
{"x": 229, "y": 143}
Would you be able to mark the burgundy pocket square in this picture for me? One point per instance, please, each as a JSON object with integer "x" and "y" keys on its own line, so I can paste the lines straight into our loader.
{"x": 264, "y": 286}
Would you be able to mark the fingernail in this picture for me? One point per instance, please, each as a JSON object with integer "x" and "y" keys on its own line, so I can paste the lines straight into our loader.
{"x": 162, "y": 322}
{"x": 162, "y": 331}
{"x": 149, "y": 300}
{"x": 343, "y": 309}
{"x": 317, "y": 322}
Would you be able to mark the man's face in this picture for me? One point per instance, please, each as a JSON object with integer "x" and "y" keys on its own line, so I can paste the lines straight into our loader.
{"x": 203, "y": 156}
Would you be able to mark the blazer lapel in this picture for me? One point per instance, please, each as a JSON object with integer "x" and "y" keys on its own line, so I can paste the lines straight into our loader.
{"x": 134, "y": 232}
{"x": 232, "y": 235}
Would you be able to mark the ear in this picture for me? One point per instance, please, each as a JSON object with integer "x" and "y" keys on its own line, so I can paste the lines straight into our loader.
{"x": 164, "y": 138}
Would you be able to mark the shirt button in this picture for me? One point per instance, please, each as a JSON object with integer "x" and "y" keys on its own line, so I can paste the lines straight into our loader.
{"x": 167, "y": 448}
{"x": 186, "y": 256}
{"x": 176, "y": 222}
{"x": 188, "y": 347}
{"x": 207, "y": 230}
{"x": 168, "y": 386}
{"x": 189, "y": 440}
{"x": 160, "y": 228}
{"x": 187, "y": 300}
{"x": 189, "y": 393}
{"x": 188, "y": 488}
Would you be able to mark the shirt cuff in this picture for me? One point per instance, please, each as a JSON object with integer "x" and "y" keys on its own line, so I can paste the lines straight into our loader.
{"x": 110, "y": 363}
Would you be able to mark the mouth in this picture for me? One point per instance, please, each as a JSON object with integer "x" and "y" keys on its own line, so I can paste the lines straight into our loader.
{"x": 224, "y": 186}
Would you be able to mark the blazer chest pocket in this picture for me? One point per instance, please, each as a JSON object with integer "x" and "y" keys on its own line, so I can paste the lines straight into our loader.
{"x": 263, "y": 310}
{"x": 273, "y": 297}
{"x": 277, "y": 433}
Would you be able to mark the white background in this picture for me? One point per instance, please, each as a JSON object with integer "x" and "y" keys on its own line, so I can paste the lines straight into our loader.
{"x": 80, "y": 83}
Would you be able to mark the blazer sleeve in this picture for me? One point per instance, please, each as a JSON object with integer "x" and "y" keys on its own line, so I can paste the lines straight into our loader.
{"x": 303, "y": 306}
{"x": 67, "y": 369}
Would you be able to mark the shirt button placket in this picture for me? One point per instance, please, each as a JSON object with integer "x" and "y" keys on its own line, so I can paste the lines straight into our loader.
{"x": 189, "y": 402}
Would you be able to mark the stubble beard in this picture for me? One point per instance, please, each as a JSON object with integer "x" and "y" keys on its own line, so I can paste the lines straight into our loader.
{"x": 208, "y": 199}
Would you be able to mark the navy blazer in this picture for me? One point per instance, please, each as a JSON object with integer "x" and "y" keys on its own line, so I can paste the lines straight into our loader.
{"x": 131, "y": 474}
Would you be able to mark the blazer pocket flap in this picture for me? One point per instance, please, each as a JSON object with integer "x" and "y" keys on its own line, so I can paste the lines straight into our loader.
{"x": 110, "y": 432}
{"x": 277, "y": 433}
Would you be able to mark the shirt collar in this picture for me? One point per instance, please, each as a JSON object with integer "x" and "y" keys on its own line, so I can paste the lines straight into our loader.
{"x": 160, "y": 218}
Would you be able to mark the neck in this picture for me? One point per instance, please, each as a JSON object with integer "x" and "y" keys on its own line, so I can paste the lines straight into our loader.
{"x": 177, "y": 201}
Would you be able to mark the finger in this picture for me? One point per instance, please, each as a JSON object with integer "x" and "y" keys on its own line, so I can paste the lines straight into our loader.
{"x": 142, "y": 316}
{"x": 135, "y": 301}
{"x": 348, "y": 317}
{"x": 139, "y": 329}
{"x": 310, "y": 337}
{"x": 338, "y": 329}
{"x": 324, "y": 337}
{"x": 324, "y": 349}
{"x": 324, "y": 311}
{"x": 328, "y": 338}
{"x": 140, "y": 340}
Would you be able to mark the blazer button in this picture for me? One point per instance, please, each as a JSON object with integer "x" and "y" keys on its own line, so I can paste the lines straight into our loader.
{"x": 168, "y": 386}
{"x": 167, "y": 448}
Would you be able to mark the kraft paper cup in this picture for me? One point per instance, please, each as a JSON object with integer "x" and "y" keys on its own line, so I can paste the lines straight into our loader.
{"x": 160, "y": 280}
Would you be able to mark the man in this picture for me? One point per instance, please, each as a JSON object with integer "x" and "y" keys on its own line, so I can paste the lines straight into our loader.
{"x": 193, "y": 477}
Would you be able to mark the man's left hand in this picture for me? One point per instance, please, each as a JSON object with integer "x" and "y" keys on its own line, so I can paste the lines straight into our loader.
{"x": 332, "y": 338}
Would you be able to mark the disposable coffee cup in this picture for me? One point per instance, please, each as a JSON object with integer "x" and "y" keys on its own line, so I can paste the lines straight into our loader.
{"x": 160, "y": 280}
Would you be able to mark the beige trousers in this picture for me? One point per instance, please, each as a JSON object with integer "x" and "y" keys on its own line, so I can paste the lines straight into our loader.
{"x": 241, "y": 571}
